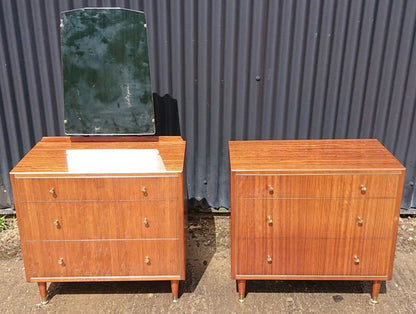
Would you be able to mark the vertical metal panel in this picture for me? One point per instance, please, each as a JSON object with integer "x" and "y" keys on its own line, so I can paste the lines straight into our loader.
{"x": 239, "y": 70}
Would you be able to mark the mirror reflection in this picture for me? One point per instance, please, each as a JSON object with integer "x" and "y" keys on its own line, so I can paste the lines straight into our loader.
{"x": 106, "y": 74}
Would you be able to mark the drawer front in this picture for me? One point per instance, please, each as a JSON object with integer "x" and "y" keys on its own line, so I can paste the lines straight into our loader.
{"x": 99, "y": 220}
{"x": 119, "y": 188}
{"x": 316, "y": 186}
{"x": 313, "y": 257}
{"x": 102, "y": 258}
{"x": 313, "y": 218}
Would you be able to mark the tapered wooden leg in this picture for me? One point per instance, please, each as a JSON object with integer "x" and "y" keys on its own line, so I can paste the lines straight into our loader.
{"x": 375, "y": 289}
{"x": 43, "y": 292}
{"x": 174, "y": 284}
{"x": 241, "y": 286}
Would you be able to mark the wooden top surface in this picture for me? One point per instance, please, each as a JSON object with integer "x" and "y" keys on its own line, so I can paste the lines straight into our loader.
{"x": 312, "y": 155}
{"x": 123, "y": 155}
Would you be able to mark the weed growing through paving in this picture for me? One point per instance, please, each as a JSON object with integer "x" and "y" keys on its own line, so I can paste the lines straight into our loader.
{"x": 3, "y": 224}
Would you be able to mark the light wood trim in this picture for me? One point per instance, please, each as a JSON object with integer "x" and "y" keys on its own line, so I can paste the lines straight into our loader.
{"x": 105, "y": 278}
{"x": 309, "y": 277}
{"x": 233, "y": 226}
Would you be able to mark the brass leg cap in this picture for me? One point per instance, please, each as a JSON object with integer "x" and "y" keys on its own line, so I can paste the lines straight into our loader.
{"x": 241, "y": 298}
{"x": 44, "y": 301}
{"x": 374, "y": 301}
{"x": 175, "y": 299}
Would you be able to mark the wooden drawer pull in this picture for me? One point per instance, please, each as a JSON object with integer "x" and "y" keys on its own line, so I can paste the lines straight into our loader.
{"x": 363, "y": 189}
{"x": 360, "y": 221}
{"x": 356, "y": 260}
{"x": 61, "y": 262}
{"x": 147, "y": 260}
{"x": 270, "y": 188}
{"x": 145, "y": 222}
{"x": 270, "y": 220}
{"x": 269, "y": 259}
{"x": 144, "y": 191}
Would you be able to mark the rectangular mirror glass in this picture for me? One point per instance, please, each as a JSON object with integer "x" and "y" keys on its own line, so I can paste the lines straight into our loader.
{"x": 106, "y": 74}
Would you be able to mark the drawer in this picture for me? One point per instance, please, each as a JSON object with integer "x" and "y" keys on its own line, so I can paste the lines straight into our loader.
{"x": 99, "y": 220}
{"x": 102, "y": 258}
{"x": 315, "y": 218}
{"x": 117, "y": 188}
{"x": 316, "y": 186}
{"x": 313, "y": 257}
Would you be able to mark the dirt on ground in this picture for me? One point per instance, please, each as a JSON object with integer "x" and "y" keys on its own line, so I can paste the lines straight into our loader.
{"x": 406, "y": 237}
{"x": 208, "y": 287}
{"x": 9, "y": 240}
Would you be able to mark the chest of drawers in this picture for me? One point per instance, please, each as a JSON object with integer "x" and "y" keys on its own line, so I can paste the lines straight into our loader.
{"x": 313, "y": 210}
{"x": 102, "y": 211}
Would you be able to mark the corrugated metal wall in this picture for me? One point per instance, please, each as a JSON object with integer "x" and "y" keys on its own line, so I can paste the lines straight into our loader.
{"x": 239, "y": 70}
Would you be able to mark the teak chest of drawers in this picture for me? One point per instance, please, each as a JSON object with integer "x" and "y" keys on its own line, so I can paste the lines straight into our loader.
{"x": 314, "y": 210}
{"x": 102, "y": 211}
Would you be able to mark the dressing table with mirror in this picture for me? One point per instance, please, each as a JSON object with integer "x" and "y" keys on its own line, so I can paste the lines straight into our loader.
{"x": 107, "y": 201}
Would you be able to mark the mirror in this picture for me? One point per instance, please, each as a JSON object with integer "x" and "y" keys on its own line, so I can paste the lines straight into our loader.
{"x": 106, "y": 74}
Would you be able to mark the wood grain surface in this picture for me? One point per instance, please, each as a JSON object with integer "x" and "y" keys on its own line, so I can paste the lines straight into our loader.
{"x": 101, "y": 225}
{"x": 314, "y": 209}
{"x": 100, "y": 220}
{"x": 49, "y": 155}
{"x": 312, "y": 155}
{"x": 97, "y": 187}
{"x": 308, "y": 258}
{"x": 102, "y": 258}
{"x": 307, "y": 218}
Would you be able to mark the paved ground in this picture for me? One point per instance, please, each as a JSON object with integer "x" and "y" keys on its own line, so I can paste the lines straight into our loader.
{"x": 209, "y": 289}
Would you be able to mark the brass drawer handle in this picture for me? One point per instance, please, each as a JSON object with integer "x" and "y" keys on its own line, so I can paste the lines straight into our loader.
{"x": 57, "y": 224}
{"x": 269, "y": 259}
{"x": 61, "y": 262}
{"x": 270, "y": 220}
{"x": 144, "y": 191}
{"x": 363, "y": 189}
{"x": 360, "y": 221}
{"x": 147, "y": 260}
{"x": 52, "y": 192}
{"x": 270, "y": 188}
{"x": 356, "y": 260}
{"x": 145, "y": 222}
